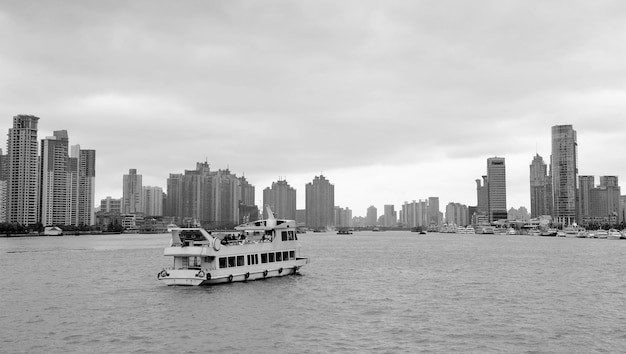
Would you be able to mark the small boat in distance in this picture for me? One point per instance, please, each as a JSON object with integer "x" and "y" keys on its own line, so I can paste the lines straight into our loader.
{"x": 52, "y": 231}
{"x": 344, "y": 232}
{"x": 258, "y": 250}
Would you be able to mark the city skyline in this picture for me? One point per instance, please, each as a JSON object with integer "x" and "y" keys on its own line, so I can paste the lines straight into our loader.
{"x": 402, "y": 100}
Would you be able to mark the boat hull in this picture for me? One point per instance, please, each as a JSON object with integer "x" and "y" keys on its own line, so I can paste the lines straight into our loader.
{"x": 195, "y": 277}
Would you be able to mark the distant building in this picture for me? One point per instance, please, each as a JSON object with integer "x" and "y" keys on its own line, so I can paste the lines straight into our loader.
{"x": 540, "y": 197}
{"x": 390, "y": 217}
{"x": 56, "y": 200}
{"x": 457, "y": 214}
{"x": 131, "y": 193}
{"x": 343, "y": 217}
{"x": 372, "y": 216}
{"x": 414, "y": 214}
{"x": 434, "y": 214}
{"x": 564, "y": 172}
{"x": 22, "y": 181}
{"x": 599, "y": 205}
{"x": 152, "y": 200}
{"x": 111, "y": 205}
{"x": 83, "y": 185}
{"x": 496, "y": 188}
{"x": 281, "y": 198}
{"x": 320, "y": 203}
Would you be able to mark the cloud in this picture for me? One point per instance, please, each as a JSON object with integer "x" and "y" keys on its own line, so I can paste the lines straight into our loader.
{"x": 293, "y": 88}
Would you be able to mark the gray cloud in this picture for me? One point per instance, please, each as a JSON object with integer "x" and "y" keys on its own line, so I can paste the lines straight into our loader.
{"x": 314, "y": 85}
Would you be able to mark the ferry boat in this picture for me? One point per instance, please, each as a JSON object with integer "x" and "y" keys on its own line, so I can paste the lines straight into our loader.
{"x": 257, "y": 250}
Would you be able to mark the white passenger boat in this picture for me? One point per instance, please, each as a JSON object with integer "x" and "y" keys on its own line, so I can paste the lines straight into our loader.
{"x": 614, "y": 234}
{"x": 259, "y": 249}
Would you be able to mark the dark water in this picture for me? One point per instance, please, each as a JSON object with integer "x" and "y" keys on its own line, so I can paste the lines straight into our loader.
{"x": 386, "y": 292}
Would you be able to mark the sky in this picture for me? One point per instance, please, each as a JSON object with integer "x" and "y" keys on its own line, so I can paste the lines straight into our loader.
{"x": 392, "y": 101}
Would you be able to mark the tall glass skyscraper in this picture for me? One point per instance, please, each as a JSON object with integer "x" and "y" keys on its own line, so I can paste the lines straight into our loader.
{"x": 564, "y": 171}
{"x": 538, "y": 187}
{"x": 496, "y": 188}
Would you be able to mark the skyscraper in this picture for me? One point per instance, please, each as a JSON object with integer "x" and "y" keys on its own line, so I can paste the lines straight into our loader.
{"x": 372, "y": 216}
{"x": 153, "y": 200}
{"x": 496, "y": 188}
{"x": 281, "y": 197}
{"x": 22, "y": 180}
{"x": 320, "y": 203}
{"x": 433, "y": 211}
{"x": 538, "y": 187}
{"x": 131, "y": 193}
{"x": 86, "y": 185}
{"x": 564, "y": 172}
{"x": 55, "y": 202}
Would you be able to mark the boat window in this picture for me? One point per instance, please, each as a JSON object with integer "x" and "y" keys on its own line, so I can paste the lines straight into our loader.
{"x": 292, "y": 254}
{"x": 240, "y": 261}
{"x": 222, "y": 262}
{"x": 285, "y": 255}
{"x": 256, "y": 259}
{"x": 284, "y": 234}
{"x": 291, "y": 237}
{"x": 263, "y": 257}
{"x": 195, "y": 261}
{"x": 271, "y": 255}
{"x": 279, "y": 256}
{"x": 231, "y": 261}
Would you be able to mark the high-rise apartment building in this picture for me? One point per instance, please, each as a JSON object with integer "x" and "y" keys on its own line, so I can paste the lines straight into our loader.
{"x": 320, "y": 203}
{"x": 86, "y": 185}
{"x": 414, "y": 214}
{"x": 482, "y": 197}
{"x": 457, "y": 214}
{"x": 214, "y": 199}
{"x": 3, "y": 186}
{"x": 111, "y": 205}
{"x": 23, "y": 177}
{"x": 434, "y": 214}
{"x": 564, "y": 171}
{"x": 372, "y": 216}
{"x": 131, "y": 193}
{"x": 390, "y": 218}
{"x": 55, "y": 202}
{"x": 152, "y": 200}
{"x": 281, "y": 197}
{"x": 539, "y": 196}
{"x": 496, "y": 189}
{"x": 586, "y": 186}
{"x": 343, "y": 217}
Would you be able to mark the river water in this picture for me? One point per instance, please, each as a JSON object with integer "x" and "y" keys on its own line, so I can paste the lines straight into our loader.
{"x": 383, "y": 292}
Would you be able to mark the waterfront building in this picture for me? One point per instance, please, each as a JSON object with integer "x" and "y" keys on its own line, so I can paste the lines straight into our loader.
{"x": 55, "y": 203}
{"x": 496, "y": 188}
{"x": 564, "y": 172}
{"x": 343, "y": 217}
{"x": 390, "y": 217}
{"x": 586, "y": 185}
{"x": 152, "y": 200}
{"x": 622, "y": 209}
{"x": 540, "y": 198}
{"x": 214, "y": 199}
{"x": 482, "y": 197}
{"x": 3, "y": 186}
{"x": 82, "y": 186}
{"x": 22, "y": 180}
{"x": 457, "y": 214}
{"x": 434, "y": 214}
{"x": 281, "y": 198}
{"x": 320, "y": 203}
{"x": 301, "y": 217}
{"x": 414, "y": 214}
{"x": 131, "y": 193}
{"x": 371, "y": 218}
{"x": 111, "y": 205}
{"x": 520, "y": 214}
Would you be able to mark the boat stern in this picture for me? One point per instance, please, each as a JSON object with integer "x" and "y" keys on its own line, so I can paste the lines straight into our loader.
{"x": 182, "y": 277}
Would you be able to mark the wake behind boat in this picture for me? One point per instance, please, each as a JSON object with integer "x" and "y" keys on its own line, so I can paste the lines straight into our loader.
{"x": 261, "y": 249}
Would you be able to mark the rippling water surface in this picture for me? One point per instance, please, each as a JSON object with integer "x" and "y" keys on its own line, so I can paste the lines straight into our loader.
{"x": 368, "y": 292}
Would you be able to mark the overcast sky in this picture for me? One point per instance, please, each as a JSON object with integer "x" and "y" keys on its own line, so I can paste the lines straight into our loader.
{"x": 392, "y": 101}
